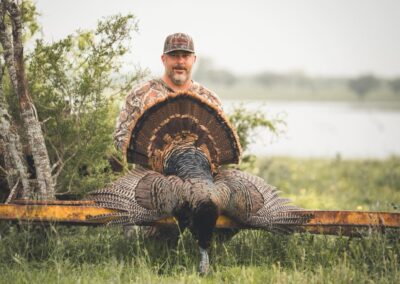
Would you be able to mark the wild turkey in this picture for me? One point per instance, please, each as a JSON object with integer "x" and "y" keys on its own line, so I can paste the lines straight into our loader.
{"x": 179, "y": 143}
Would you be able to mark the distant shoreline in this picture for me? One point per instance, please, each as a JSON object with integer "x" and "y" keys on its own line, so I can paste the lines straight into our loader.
{"x": 390, "y": 105}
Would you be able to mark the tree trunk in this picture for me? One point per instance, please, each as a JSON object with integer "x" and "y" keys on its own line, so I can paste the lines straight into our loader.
{"x": 13, "y": 55}
{"x": 17, "y": 177}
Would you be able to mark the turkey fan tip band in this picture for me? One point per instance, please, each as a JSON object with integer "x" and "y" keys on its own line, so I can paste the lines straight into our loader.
{"x": 197, "y": 108}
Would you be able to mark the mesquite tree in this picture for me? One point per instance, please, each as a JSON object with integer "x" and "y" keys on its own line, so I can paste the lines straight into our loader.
{"x": 13, "y": 51}
{"x": 75, "y": 84}
{"x": 15, "y": 167}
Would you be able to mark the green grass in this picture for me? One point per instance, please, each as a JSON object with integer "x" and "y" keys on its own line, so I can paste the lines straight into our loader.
{"x": 56, "y": 254}
{"x": 336, "y": 183}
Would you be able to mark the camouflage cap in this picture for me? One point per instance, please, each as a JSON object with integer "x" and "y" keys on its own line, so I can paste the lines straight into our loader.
{"x": 178, "y": 41}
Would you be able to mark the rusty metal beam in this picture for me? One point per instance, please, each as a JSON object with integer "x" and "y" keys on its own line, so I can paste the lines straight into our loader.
{"x": 359, "y": 218}
{"x": 53, "y": 202}
{"x": 349, "y": 223}
{"x": 82, "y": 213}
{"x": 52, "y": 213}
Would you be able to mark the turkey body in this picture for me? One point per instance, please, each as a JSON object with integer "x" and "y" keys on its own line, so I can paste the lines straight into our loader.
{"x": 199, "y": 209}
{"x": 189, "y": 192}
{"x": 181, "y": 141}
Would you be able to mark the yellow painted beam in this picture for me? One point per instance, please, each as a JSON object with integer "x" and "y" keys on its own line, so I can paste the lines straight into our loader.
{"x": 359, "y": 218}
{"x": 82, "y": 213}
{"x": 349, "y": 223}
{"x": 72, "y": 212}
{"x": 52, "y": 213}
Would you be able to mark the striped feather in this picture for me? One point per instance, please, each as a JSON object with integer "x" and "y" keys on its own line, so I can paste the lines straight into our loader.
{"x": 275, "y": 213}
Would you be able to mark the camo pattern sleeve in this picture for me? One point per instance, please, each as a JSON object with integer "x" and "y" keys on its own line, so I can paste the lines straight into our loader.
{"x": 133, "y": 107}
{"x": 206, "y": 93}
{"x": 145, "y": 94}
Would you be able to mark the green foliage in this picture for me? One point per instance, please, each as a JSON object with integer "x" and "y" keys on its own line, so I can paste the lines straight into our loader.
{"x": 74, "y": 83}
{"x": 29, "y": 19}
{"x": 246, "y": 124}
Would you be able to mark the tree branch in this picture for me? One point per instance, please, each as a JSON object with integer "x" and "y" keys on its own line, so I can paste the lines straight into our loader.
{"x": 15, "y": 62}
{"x": 8, "y": 49}
{"x": 60, "y": 164}
{"x": 12, "y": 192}
{"x": 16, "y": 23}
{"x": 3, "y": 170}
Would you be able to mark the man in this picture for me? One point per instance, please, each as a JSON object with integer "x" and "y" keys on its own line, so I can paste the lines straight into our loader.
{"x": 178, "y": 59}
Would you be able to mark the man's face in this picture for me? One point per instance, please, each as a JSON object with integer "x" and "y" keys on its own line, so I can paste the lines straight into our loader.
{"x": 178, "y": 66}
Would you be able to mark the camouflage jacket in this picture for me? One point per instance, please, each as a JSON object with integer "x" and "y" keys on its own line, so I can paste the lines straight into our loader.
{"x": 143, "y": 95}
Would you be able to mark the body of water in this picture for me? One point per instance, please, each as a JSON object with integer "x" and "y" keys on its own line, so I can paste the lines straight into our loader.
{"x": 327, "y": 129}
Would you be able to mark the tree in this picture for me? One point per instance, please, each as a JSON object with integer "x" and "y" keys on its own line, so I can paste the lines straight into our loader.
{"x": 269, "y": 79}
{"x": 363, "y": 85}
{"x": 395, "y": 85}
{"x": 15, "y": 168}
{"x": 10, "y": 15}
{"x": 206, "y": 72}
{"x": 74, "y": 84}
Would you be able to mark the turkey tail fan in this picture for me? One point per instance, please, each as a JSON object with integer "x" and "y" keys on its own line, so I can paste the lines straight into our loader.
{"x": 181, "y": 119}
{"x": 142, "y": 196}
{"x": 251, "y": 201}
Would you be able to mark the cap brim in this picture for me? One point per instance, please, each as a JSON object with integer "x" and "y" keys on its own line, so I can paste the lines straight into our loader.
{"x": 179, "y": 49}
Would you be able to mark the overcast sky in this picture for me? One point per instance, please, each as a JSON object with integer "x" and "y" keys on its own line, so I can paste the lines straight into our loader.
{"x": 319, "y": 37}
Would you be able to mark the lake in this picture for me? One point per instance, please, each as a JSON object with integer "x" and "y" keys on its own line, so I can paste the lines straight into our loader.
{"x": 326, "y": 129}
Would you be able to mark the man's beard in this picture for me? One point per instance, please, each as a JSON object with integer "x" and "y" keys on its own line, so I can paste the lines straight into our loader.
{"x": 179, "y": 79}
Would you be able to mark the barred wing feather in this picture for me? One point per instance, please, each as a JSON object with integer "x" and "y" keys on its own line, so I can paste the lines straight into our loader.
{"x": 251, "y": 201}
{"x": 141, "y": 196}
